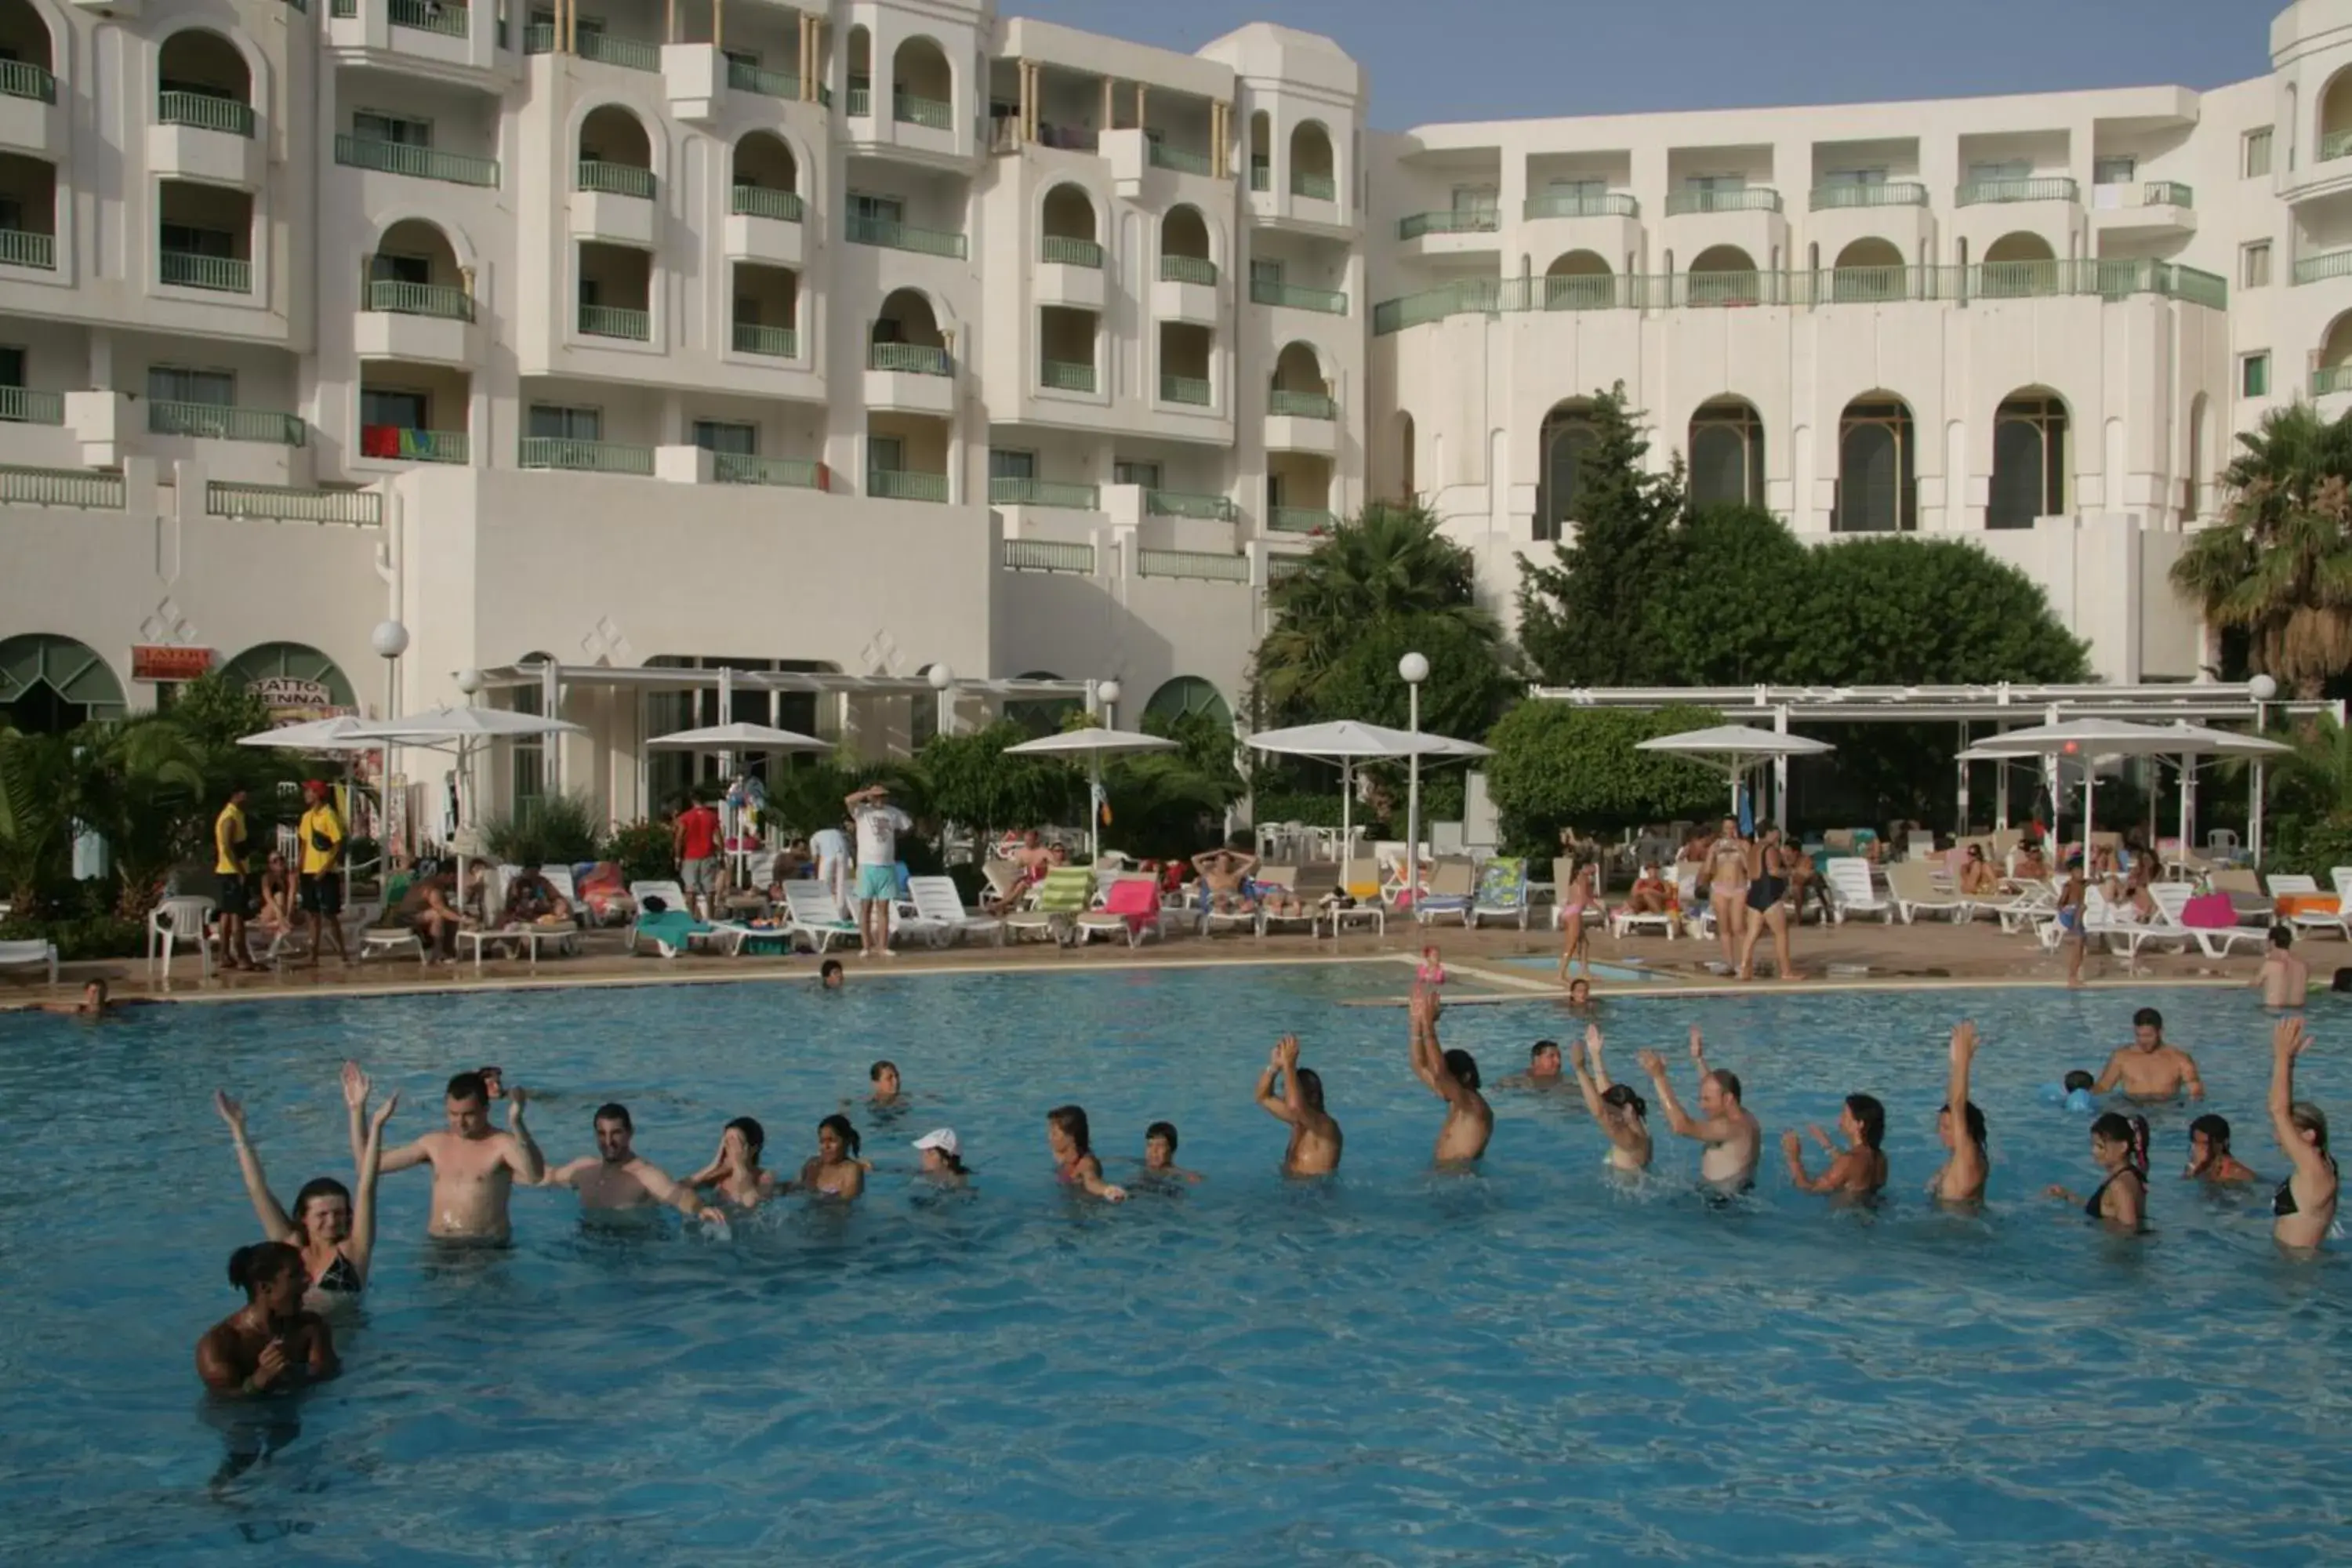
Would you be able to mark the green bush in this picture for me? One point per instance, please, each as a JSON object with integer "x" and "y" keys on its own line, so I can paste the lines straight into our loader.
{"x": 642, "y": 849}
{"x": 553, "y": 830}
{"x": 89, "y": 936}
{"x": 2315, "y": 849}
{"x": 1558, "y": 767}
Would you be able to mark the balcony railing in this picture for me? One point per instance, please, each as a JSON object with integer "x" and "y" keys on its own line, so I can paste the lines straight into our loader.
{"x": 744, "y": 76}
{"x": 396, "y": 298}
{"x": 287, "y": 503}
{"x": 1066, "y": 375}
{"x": 538, "y": 38}
{"x": 1315, "y": 187}
{"x": 446, "y": 17}
{"x": 1980, "y": 193}
{"x": 1297, "y": 296}
{"x": 219, "y": 422}
{"x": 415, "y": 446}
{"x": 1281, "y": 568}
{"x": 1303, "y": 404}
{"x": 1048, "y": 555}
{"x": 20, "y": 78}
{"x": 906, "y": 484}
{"x": 62, "y": 487}
{"x": 1004, "y": 491}
{"x": 2166, "y": 193}
{"x": 1747, "y": 199}
{"x": 911, "y": 108}
{"x": 225, "y": 274}
{"x": 24, "y": 406}
{"x": 897, "y": 236}
{"x": 615, "y": 179}
{"x": 422, "y": 162}
{"x": 1191, "y": 390}
{"x": 917, "y": 359}
{"x": 1260, "y": 175}
{"x": 861, "y": 100}
{"x": 1188, "y": 269}
{"x": 1301, "y": 518}
{"x": 1473, "y": 220}
{"x": 1186, "y": 503}
{"x": 2311, "y": 268}
{"x": 1602, "y": 204}
{"x": 2331, "y": 378}
{"x": 204, "y": 111}
{"x": 775, "y": 343}
{"x": 758, "y": 201}
{"x": 629, "y": 54}
{"x": 586, "y": 457}
{"x": 21, "y": 249}
{"x": 1163, "y": 156}
{"x": 1585, "y": 290}
{"x": 743, "y": 469}
{"x": 616, "y": 322}
{"x": 2335, "y": 144}
{"x": 1198, "y": 565}
{"x": 1889, "y": 194}
{"x": 1070, "y": 251}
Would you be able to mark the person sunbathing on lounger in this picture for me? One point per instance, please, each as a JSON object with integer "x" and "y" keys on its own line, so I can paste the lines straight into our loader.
{"x": 1223, "y": 884}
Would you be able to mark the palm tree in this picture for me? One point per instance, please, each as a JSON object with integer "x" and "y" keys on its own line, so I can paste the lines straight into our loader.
{"x": 36, "y": 835}
{"x": 2280, "y": 567}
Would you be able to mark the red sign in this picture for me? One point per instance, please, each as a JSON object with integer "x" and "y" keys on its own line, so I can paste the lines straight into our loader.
{"x": 155, "y": 661}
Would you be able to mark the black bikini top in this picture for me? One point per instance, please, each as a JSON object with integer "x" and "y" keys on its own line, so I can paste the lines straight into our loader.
{"x": 2092, "y": 1207}
{"x": 2283, "y": 1201}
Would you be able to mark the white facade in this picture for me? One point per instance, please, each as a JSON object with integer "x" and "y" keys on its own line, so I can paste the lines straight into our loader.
{"x": 880, "y": 333}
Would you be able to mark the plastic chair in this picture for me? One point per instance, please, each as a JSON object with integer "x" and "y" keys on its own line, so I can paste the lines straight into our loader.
{"x": 173, "y": 922}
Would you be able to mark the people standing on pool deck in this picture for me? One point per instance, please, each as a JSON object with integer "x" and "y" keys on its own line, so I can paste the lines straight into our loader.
{"x": 1075, "y": 1164}
{"x": 835, "y": 1172}
{"x": 694, "y": 840}
{"x": 2072, "y": 936}
{"x": 2284, "y": 979}
{"x": 474, "y": 1166}
{"x": 1767, "y": 888}
{"x": 321, "y": 833}
{"x": 1727, "y": 889}
{"x": 878, "y": 826}
{"x": 1160, "y": 1155}
{"x": 1732, "y": 1142}
{"x": 2209, "y": 1159}
{"x": 943, "y": 1157}
{"x": 2148, "y": 1068}
{"x": 335, "y": 1236}
{"x": 735, "y": 1171}
{"x": 2119, "y": 1143}
{"x": 1315, "y": 1137}
{"x": 233, "y": 883}
{"x": 835, "y": 863}
{"x": 2303, "y": 1208}
{"x": 273, "y": 1342}
{"x": 1858, "y": 1169}
{"x": 1575, "y": 898}
{"x": 1623, "y": 1117}
{"x": 1960, "y": 1128}
{"x": 1452, "y": 1077}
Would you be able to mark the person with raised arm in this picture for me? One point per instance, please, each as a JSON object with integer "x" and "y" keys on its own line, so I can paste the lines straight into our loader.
{"x": 1960, "y": 1126}
{"x": 2150, "y": 1068}
{"x": 335, "y": 1236}
{"x": 2119, "y": 1145}
{"x": 616, "y": 1179}
{"x": 2304, "y": 1209}
{"x": 735, "y": 1171}
{"x": 1452, "y": 1077}
{"x": 1859, "y": 1169}
{"x": 1623, "y": 1115}
{"x": 1315, "y": 1136}
{"x": 1076, "y": 1164}
{"x": 1730, "y": 1141}
{"x": 474, "y": 1167}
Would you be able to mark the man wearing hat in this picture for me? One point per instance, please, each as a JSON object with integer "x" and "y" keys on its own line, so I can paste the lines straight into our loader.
{"x": 321, "y": 829}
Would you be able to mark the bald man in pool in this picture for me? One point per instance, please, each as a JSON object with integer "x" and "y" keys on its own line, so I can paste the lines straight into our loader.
{"x": 1731, "y": 1139}
{"x": 474, "y": 1166}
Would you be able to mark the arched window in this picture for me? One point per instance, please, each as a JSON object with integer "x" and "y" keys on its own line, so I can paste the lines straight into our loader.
{"x": 1568, "y": 436}
{"x": 765, "y": 162}
{"x": 1877, "y": 491}
{"x": 922, "y": 85}
{"x": 527, "y": 754}
{"x": 1187, "y": 696}
{"x": 1866, "y": 271}
{"x": 1042, "y": 716}
{"x": 49, "y": 685}
{"x": 1069, "y": 227}
{"x": 1580, "y": 280}
{"x": 2017, "y": 265}
{"x": 1726, "y": 454}
{"x": 1261, "y": 151}
{"x": 1408, "y": 487}
{"x": 2334, "y": 119}
{"x": 1724, "y": 275}
{"x": 1311, "y": 173}
{"x": 195, "y": 63}
{"x": 25, "y": 38}
{"x": 2028, "y": 461}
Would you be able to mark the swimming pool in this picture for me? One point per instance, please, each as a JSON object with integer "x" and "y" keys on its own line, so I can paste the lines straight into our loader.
{"x": 1524, "y": 1364}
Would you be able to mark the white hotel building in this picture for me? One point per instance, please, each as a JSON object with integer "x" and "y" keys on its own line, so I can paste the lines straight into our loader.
{"x": 634, "y": 338}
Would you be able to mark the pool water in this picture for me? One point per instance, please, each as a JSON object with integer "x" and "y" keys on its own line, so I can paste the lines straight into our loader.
{"x": 1530, "y": 1363}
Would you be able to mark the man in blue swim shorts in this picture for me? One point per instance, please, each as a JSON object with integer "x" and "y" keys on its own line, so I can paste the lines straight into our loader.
{"x": 878, "y": 825}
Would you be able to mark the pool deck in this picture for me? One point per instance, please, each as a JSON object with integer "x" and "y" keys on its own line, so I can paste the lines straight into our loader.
{"x": 1858, "y": 956}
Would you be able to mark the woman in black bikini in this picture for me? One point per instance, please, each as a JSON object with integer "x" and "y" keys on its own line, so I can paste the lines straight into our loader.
{"x": 1768, "y": 887}
{"x": 2119, "y": 1143}
{"x": 335, "y": 1236}
{"x": 2304, "y": 1209}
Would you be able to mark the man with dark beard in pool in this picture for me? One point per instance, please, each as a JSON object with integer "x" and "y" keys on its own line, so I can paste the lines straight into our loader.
{"x": 1452, "y": 1077}
{"x": 620, "y": 1180}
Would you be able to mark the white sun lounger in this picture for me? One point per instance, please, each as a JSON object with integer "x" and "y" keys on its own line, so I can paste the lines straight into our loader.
{"x": 1914, "y": 886}
{"x": 811, "y": 910}
{"x": 936, "y": 900}
{"x": 1849, "y": 889}
{"x": 531, "y": 938}
{"x": 30, "y": 954}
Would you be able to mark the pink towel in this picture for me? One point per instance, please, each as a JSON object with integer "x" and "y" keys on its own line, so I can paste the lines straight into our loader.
{"x": 2212, "y": 910}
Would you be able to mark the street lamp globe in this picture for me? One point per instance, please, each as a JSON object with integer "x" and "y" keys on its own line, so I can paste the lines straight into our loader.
{"x": 1108, "y": 690}
{"x": 2261, "y": 689}
{"x": 390, "y": 639}
{"x": 470, "y": 681}
{"x": 1414, "y": 668}
{"x": 941, "y": 677}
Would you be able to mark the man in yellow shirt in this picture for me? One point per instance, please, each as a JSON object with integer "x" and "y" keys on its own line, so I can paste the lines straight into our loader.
{"x": 322, "y": 880}
{"x": 233, "y": 888}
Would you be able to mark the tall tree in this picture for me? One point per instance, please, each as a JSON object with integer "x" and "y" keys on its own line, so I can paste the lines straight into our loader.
{"x": 1584, "y": 619}
{"x": 2279, "y": 567}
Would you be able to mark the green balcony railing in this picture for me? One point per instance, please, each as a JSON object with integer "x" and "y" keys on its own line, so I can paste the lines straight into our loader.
{"x": 288, "y": 503}
{"x": 1586, "y": 290}
{"x": 615, "y": 179}
{"x": 19, "y": 248}
{"x": 1747, "y": 199}
{"x": 1301, "y": 520}
{"x": 206, "y": 112}
{"x": 446, "y": 18}
{"x": 1888, "y": 194}
{"x": 1260, "y": 175}
{"x": 918, "y": 359}
{"x": 225, "y": 273}
{"x": 422, "y": 162}
{"x": 1044, "y": 492}
{"x": 1198, "y": 565}
{"x": 861, "y": 100}
{"x": 2166, "y": 193}
{"x": 895, "y": 236}
{"x": 1047, "y": 556}
{"x": 1066, "y": 375}
{"x": 219, "y": 422}
{"x": 616, "y": 322}
{"x": 586, "y": 457}
{"x": 343, "y": 9}
{"x": 1315, "y": 187}
{"x": 1069, "y": 251}
{"x": 775, "y": 343}
{"x": 62, "y": 487}
{"x": 1186, "y": 503}
{"x": 912, "y": 109}
{"x": 1163, "y": 156}
{"x": 758, "y": 201}
{"x": 2311, "y": 268}
{"x": 1601, "y": 204}
{"x": 2335, "y": 144}
{"x": 743, "y": 469}
{"x": 20, "y": 78}
{"x": 906, "y": 484}
{"x": 1188, "y": 269}
{"x": 1980, "y": 193}
{"x": 1297, "y": 296}
{"x": 394, "y": 298}
{"x": 744, "y": 76}
{"x": 538, "y": 38}
{"x": 24, "y": 406}
{"x": 1871, "y": 285}
{"x": 2331, "y": 378}
{"x": 1185, "y": 389}
{"x": 1303, "y": 404}
{"x": 435, "y": 446}
{"x": 1475, "y": 220}
{"x": 1280, "y": 568}
{"x": 1704, "y": 290}
{"x": 629, "y": 54}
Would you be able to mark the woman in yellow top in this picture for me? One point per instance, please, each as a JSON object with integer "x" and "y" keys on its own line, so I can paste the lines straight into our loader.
{"x": 321, "y": 831}
{"x": 232, "y": 887}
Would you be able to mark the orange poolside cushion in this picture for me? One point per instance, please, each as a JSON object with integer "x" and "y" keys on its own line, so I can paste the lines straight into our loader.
{"x": 2307, "y": 904}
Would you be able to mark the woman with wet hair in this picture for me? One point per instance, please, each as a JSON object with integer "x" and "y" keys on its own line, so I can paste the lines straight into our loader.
{"x": 2304, "y": 1209}
{"x": 1960, "y": 1127}
{"x": 271, "y": 1342}
{"x": 1074, "y": 1163}
{"x": 2209, "y": 1159}
{"x": 1858, "y": 1169}
{"x": 2119, "y": 1145}
{"x": 334, "y": 1238}
{"x": 735, "y": 1171}
{"x": 836, "y": 1172}
{"x": 1624, "y": 1115}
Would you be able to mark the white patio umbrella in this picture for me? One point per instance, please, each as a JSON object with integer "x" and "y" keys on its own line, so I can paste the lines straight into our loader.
{"x": 314, "y": 735}
{"x": 727, "y": 740}
{"x": 459, "y": 730}
{"x": 1735, "y": 748}
{"x": 1348, "y": 741}
{"x": 2090, "y": 739}
{"x": 1093, "y": 745}
{"x": 2211, "y": 743}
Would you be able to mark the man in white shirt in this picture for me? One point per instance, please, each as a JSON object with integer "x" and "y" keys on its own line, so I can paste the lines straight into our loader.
{"x": 829, "y": 847}
{"x": 878, "y": 825}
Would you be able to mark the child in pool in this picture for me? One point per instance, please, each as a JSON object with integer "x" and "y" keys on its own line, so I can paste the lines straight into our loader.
{"x": 1433, "y": 967}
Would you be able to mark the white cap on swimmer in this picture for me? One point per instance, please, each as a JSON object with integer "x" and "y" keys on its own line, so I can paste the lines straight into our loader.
{"x": 942, "y": 1139}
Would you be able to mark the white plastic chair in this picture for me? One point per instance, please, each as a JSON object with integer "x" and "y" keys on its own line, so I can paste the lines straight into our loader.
{"x": 173, "y": 922}
{"x": 1849, "y": 889}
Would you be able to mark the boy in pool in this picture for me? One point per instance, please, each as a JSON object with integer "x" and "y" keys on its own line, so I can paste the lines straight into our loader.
{"x": 829, "y": 973}
{"x": 886, "y": 1095}
{"x": 1160, "y": 1155}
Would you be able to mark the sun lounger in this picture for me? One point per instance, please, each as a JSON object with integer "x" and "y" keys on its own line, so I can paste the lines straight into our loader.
{"x": 1916, "y": 887}
{"x": 564, "y": 937}
{"x": 2018, "y": 904}
{"x": 1130, "y": 908}
{"x": 1283, "y": 884}
{"x": 811, "y": 910}
{"x": 1501, "y": 892}
{"x": 936, "y": 900}
{"x": 1849, "y": 889}
{"x": 1452, "y": 890}
{"x": 2286, "y": 885}
{"x": 669, "y": 932}
{"x": 1057, "y": 903}
{"x": 30, "y": 954}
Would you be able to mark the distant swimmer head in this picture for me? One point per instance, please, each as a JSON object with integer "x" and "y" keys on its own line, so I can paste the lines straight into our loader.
{"x": 1464, "y": 1067}
{"x": 613, "y": 1131}
{"x": 1718, "y": 1091}
{"x": 2310, "y": 1121}
{"x": 2117, "y": 1140}
{"x": 1066, "y": 1132}
{"x": 2079, "y": 1080}
{"x": 829, "y": 974}
{"x": 1973, "y": 1118}
{"x": 2281, "y": 936}
{"x": 2147, "y": 1029}
{"x": 467, "y": 1102}
{"x": 1580, "y": 992}
{"x": 2208, "y": 1142}
{"x": 885, "y": 1077}
{"x": 1624, "y": 1104}
{"x": 322, "y": 1210}
{"x": 941, "y": 1151}
{"x": 269, "y": 1272}
{"x": 837, "y": 1140}
{"x": 753, "y": 1136}
{"x": 1863, "y": 1119}
{"x": 1310, "y": 1087}
{"x": 1159, "y": 1145}
{"x": 1543, "y": 1058}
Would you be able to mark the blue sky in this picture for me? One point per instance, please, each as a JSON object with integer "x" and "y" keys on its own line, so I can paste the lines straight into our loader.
{"x": 1485, "y": 59}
